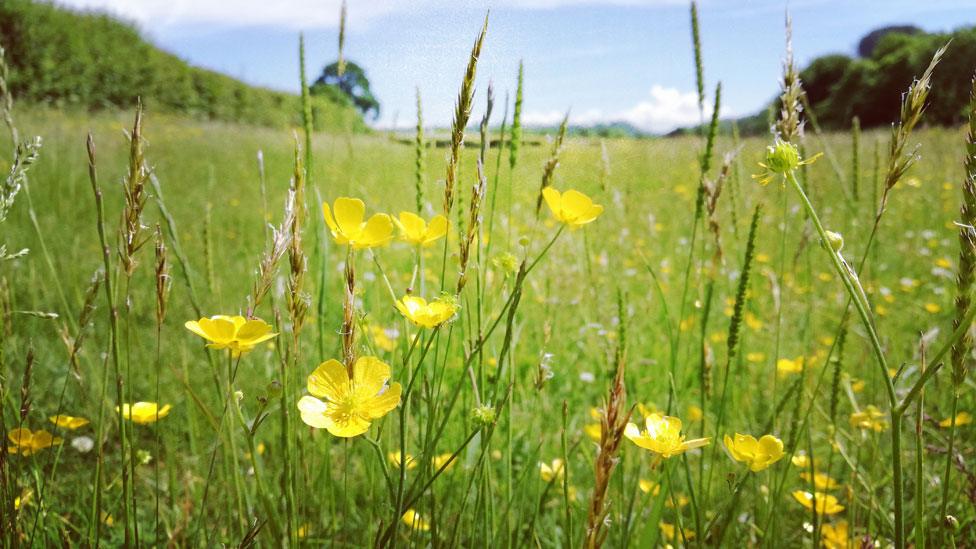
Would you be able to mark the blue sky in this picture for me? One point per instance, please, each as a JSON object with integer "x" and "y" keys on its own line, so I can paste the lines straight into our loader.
{"x": 607, "y": 60}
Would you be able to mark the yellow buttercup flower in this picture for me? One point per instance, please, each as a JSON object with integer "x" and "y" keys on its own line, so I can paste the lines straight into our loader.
{"x": 27, "y": 442}
{"x": 349, "y": 405}
{"x": 662, "y": 436}
{"x": 836, "y": 536}
{"x": 757, "y": 454}
{"x": 870, "y": 418}
{"x": 68, "y": 422}
{"x": 424, "y": 314}
{"x": 821, "y": 481}
{"x": 594, "y": 431}
{"x": 649, "y": 487}
{"x": 415, "y": 230}
{"x": 441, "y": 460}
{"x": 573, "y": 208}
{"x": 144, "y": 413}
{"x": 414, "y": 520}
{"x": 786, "y": 366}
{"x": 394, "y": 458}
{"x": 236, "y": 333}
{"x": 962, "y": 418}
{"x": 826, "y": 503}
{"x": 348, "y": 226}
{"x": 553, "y": 471}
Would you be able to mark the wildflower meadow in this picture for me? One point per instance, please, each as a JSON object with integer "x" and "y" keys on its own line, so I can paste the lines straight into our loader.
{"x": 214, "y": 334}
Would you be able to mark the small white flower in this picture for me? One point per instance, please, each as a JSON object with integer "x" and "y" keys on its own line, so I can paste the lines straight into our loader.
{"x": 83, "y": 444}
{"x": 586, "y": 377}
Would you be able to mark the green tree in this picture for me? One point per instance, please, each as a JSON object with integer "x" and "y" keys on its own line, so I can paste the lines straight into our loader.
{"x": 352, "y": 84}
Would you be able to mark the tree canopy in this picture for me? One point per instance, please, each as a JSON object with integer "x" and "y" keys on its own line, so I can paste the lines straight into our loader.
{"x": 352, "y": 83}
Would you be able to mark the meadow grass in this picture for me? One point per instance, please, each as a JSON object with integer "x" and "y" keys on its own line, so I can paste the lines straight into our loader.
{"x": 561, "y": 337}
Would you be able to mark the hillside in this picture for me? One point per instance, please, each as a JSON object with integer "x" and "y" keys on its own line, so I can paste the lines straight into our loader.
{"x": 65, "y": 58}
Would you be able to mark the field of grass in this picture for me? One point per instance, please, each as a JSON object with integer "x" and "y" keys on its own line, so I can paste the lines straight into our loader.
{"x": 642, "y": 311}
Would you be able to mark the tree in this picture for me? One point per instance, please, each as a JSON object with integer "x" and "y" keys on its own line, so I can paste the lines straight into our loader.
{"x": 353, "y": 84}
{"x": 865, "y": 48}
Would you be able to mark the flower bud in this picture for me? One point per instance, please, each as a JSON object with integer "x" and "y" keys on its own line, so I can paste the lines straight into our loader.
{"x": 483, "y": 415}
{"x": 836, "y": 240}
{"x": 782, "y": 157}
{"x": 274, "y": 389}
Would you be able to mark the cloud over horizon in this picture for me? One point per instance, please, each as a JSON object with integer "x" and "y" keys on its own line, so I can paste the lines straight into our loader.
{"x": 664, "y": 110}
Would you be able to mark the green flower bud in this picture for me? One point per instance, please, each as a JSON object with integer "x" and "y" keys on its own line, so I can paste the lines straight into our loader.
{"x": 483, "y": 415}
{"x": 274, "y": 389}
{"x": 783, "y": 157}
{"x": 836, "y": 240}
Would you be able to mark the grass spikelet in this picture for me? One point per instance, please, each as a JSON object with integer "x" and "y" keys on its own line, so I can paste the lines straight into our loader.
{"x": 789, "y": 126}
{"x": 961, "y": 353}
{"x": 341, "y": 67}
{"x": 549, "y": 169}
{"x": 280, "y": 244}
{"x": 420, "y": 153}
{"x": 837, "y": 361}
{"x": 515, "y": 143}
{"x": 298, "y": 300}
{"x": 699, "y": 64}
{"x": 134, "y": 193}
{"x": 612, "y": 424}
{"x": 307, "y": 122}
{"x": 912, "y": 108}
{"x": 462, "y": 112}
{"x": 477, "y": 195}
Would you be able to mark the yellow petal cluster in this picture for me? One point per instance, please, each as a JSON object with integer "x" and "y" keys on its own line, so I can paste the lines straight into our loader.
{"x": 349, "y": 226}
{"x": 414, "y": 520}
{"x": 826, "y": 503}
{"x": 236, "y": 333}
{"x": 415, "y": 230}
{"x": 347, "y": 406}
{"x": 662, "y": 435}
{"x": 962, "y": 418}
{"x": 68, "y": 422}
{"x": 424, "y": 314}
{"x": 551, "y": 471}
{"x": 836, "y": 536}
{"x": 757, "y": 454}
{"x": 870, "y": 418}
{"x": 144, "y": 413}
{"x": 573, "y": 208}
{"x": 25, "y": 442}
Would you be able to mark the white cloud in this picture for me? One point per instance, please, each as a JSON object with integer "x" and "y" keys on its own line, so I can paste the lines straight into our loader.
{"x": 665, "y": 110}
{"x": 307, "y": 14}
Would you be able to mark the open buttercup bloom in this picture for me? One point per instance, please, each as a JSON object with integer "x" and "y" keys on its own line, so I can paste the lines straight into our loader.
{"x": 25, "y": 442}
{"x": 347, "y": 222}
{"x": 573, "y": 208}
{"x": 836, "y": 536}
{"x": 414, "y": 520}
{"x": 757, "y": 454}
{"x": 424, "y": 314}
{"x": 551, "y": 471}
{"x": 144, "y": 413}
{"x": 662, "y": 435}
{"x": 68, "y": 422}
{"x": 236, "y": 333}
{"x": 415, "y": 230}
{"x": 346, "y": 407}
{"x": 826, "y": 503}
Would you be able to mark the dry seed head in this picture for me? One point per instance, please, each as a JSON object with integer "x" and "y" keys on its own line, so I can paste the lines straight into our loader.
{"x": 462, "y": 113}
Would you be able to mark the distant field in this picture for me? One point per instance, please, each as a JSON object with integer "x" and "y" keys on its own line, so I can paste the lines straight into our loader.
{"x": 563, "y": 340}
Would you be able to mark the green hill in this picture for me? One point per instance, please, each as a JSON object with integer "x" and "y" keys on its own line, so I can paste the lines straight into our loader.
{"x": 66, "y": 58}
